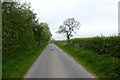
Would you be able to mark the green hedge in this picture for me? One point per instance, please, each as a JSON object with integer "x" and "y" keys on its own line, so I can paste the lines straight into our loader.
{"x": 21, "y": 31}
{"x": 21, "y": 35}
{"x": 103, "y": 45}
{"x": 101, "y": 54}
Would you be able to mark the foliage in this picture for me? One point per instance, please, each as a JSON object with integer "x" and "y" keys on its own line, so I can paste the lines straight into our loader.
{"x": 68, "y": 27}
{"x": 104, "y": 66}
{"x": 21, "y": 31}
{"x": 102, "y": 45}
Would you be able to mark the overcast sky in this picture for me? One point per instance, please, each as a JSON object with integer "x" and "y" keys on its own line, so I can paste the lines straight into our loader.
{"x": 96, "y": 16}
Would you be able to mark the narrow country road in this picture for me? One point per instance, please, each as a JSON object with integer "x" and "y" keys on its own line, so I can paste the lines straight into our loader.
{"x": 54, "y": 63}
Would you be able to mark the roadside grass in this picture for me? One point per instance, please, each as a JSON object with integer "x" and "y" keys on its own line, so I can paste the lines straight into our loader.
{"x": 101, "y": 65}
{"x": 18, "y": 66}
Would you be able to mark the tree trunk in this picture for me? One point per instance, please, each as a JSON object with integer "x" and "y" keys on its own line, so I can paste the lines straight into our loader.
{"x": 68, "y": 37}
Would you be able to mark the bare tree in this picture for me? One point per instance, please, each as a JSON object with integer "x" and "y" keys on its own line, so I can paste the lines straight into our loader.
{"x": 69, "y": 27}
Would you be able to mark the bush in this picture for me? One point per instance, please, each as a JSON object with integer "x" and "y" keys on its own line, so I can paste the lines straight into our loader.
{"x": 21, "y": 31}
{"x": 103, "y": 45}
{"x": 21, "y": 35}
{"x": 99, "y": 54}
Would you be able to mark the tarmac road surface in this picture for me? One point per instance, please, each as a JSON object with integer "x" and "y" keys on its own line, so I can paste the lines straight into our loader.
{"x": 54, "y": 63}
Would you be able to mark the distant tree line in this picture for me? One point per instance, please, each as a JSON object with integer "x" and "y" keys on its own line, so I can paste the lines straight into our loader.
{"x": 21, "y": 30}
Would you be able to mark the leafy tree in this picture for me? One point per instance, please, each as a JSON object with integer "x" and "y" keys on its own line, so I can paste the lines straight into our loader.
{"x": 41, "y": 33}
{"x": 69, "y": 27}
{"x": 21, "y": 33}
{"x": 46, "y": 34}
{"x": 21, "y": 29}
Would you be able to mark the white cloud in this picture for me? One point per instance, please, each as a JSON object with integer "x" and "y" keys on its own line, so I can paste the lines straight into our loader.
{"x": 96, "y": 16}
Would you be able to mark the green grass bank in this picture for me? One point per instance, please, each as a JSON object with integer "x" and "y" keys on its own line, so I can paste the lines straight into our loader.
{"x": 18, "y": 66}
{"x": 103, "y": 65}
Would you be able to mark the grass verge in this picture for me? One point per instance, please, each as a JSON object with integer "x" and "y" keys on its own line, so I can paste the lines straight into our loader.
{"x": 17, "y": 67}
{"x": 101, "y": 65}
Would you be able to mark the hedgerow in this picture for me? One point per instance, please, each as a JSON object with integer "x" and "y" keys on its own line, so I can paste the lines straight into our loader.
{"x": 103, "y": 45}
{"x": 21, "y": 30}
{"x": 101, "y": 54}
{"x": 22, "y": 34}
